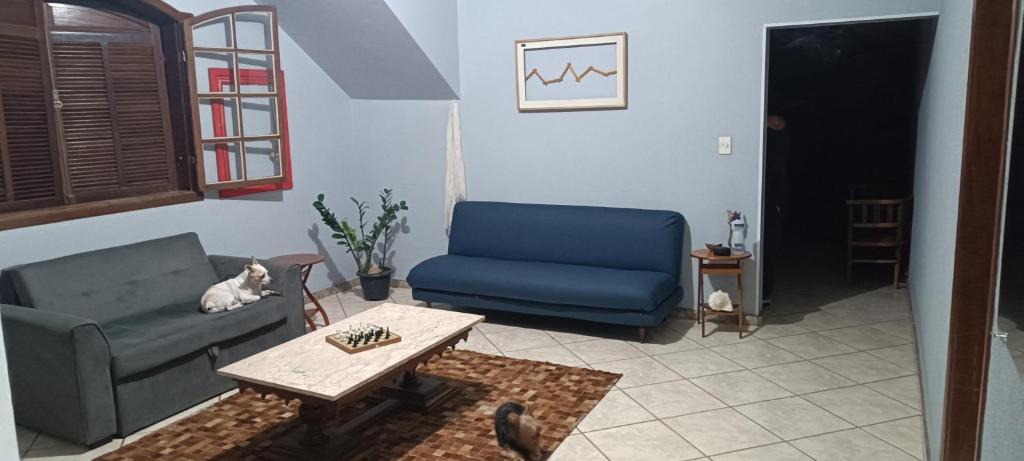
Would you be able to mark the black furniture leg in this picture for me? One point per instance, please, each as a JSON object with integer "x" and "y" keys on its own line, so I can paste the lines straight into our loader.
{"x": 643, "y": 334}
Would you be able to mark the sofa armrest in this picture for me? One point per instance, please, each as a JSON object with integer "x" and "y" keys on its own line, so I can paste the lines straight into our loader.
{"x": 59, "y": 366}
{"x": 284, "y": 279}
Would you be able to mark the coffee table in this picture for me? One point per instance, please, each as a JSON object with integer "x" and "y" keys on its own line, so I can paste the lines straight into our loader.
{"x": 324, "y": 377}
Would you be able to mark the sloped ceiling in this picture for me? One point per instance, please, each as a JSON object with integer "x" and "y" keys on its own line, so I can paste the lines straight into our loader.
{"x": 365, "y": 48}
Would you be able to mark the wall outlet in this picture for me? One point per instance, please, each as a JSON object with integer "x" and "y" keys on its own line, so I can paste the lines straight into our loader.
{"x": 725, "y": 145}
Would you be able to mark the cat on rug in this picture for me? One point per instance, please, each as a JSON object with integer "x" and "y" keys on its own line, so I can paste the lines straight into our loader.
{"x": 518, "y": 432}
{"x": 236, "y": 292}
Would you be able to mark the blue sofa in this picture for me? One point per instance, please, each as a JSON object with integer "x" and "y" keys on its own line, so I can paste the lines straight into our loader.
{"x": 608, "y": 265}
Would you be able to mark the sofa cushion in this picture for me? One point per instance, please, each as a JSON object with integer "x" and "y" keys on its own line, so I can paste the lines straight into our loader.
{"x": 619, "y": 238}
{"x": 544, "y": 282}
{"x": 106, "y": 284}
{"x": 145, "y": 340}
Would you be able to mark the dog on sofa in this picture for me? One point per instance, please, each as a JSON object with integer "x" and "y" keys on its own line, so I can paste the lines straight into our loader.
{"x": 518, "y": 432}
{"x": 245, "y": 288}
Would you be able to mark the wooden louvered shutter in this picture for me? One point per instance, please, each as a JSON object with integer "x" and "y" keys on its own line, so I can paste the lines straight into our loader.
{"x": 28, "y": 174}
{"x": 109, "y": 74}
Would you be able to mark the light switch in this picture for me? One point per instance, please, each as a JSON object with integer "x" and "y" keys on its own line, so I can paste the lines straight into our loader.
{"x": 725, "y": 145}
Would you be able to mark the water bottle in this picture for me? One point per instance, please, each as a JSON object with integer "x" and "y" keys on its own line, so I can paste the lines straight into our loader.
{"x": 739, "y": 230}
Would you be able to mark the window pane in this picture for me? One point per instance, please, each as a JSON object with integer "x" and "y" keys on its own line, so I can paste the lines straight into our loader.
{"x": 254, "y": 31}
{"x": 256, "y": 73}
{"x": 259, "y": 116}
{"x": 215, "y": 72}
{"x": 218, "y": 117}
{"x": 262, "y": 159}
{"x": 222, "y": 162}
{"x": 215, "y": 33}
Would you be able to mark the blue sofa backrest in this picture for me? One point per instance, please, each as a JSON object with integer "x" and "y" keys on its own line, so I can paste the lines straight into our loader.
{"x": 107, "y": 284}
{"x": 621, "y": 238}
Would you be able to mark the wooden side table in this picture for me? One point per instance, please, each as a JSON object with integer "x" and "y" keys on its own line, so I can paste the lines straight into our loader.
{"x": 709, "y": 264}
{"x": 306, "y": 261}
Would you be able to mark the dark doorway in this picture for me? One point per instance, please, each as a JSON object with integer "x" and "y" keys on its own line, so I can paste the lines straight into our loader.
{"x": 841, "y": 116}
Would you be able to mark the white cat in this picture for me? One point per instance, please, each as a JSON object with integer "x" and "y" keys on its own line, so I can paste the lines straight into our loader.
{"x": 231, "y": 294}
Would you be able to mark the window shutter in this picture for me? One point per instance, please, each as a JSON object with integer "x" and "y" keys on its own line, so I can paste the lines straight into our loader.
{"x": 108, "y": 72}
{"x": 27, "y": 173}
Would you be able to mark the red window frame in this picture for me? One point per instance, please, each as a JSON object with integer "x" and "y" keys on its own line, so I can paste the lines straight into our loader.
{"x": 219, "y": 77}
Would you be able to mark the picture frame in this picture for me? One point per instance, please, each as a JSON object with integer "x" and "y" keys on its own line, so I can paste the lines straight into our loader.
{"x": 597, "y": 80}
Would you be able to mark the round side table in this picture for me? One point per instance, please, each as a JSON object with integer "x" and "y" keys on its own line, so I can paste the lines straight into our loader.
{"x": 306, "y": 261}
{"x": 710, "y": 264}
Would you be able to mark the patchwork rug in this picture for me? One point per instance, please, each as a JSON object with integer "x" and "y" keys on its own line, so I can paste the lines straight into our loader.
{"x": 242, "y": 426}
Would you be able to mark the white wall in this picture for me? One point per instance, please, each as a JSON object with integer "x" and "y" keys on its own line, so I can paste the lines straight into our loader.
{"x": 694, "y": 75}
{"x": 936, "y": 195}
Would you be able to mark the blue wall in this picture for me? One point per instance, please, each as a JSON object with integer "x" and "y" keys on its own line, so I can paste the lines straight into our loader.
{"x": 694, "y": 75}
{"x": 434, "y": 26}
{"x": 320, "y": 116}
{"x": 936, "y": 195}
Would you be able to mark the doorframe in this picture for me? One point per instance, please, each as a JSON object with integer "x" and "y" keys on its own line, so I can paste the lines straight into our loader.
{"x": 761, "y": 154}
{"x": 991, "y": 67}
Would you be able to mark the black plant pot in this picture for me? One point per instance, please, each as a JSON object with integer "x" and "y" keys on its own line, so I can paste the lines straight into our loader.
{"x": 376, "y": 286}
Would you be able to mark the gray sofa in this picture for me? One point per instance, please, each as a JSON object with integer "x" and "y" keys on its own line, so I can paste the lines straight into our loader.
{"x": 108, "y": 342}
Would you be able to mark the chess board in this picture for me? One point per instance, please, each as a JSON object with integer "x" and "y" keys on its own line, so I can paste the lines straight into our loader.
{"x": 348, "y": 341}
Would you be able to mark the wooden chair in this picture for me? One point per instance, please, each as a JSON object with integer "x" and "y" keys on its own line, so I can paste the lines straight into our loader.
{"x": 878, "y": 231}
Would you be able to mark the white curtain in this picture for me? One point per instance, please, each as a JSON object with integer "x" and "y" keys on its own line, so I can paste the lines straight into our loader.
{"x": 455, "y": 173}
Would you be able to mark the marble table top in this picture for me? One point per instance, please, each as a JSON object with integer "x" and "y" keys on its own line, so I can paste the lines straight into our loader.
{"x": 308, "y": 365}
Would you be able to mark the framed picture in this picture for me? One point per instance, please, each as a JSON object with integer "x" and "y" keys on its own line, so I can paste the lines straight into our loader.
{"x": 571, "y": 73}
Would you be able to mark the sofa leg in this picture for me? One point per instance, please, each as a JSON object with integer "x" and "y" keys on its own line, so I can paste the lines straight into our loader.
{"x": 643, "y": 334}
{"x": 428, "y": 304}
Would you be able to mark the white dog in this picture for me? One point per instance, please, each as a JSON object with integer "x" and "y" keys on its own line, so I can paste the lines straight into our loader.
{"x": 231, "y": 294}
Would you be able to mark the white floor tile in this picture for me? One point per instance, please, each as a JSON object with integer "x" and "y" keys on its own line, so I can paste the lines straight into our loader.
{"x": 756, "y": 354}
{"x": 639, "y": 372}
{"x": 519, "y": 338}
{"x": 645, "y": 441}
{"x": 860, "y": 405}
{"x": 817, "y": 321}
{"x": 811, "y": 345}
{"x": 720, "y": 431}
{"x": 477, "y": 342}
{"x": 71, "y": 452}
{"x": 852, "y": 445}
{"x": 740, "y": 387}
{"x": 692, "y": 364}
{"x": 604, "y": 350}
{"x": 803, "y": 377}
{"x": 615, "y": 409}
{"x": 862, "y": 367}
{"x": 577, "y": 448}
{"x": 865, "y": 337}
{"x": 904, "y": 356}
{"x": 556, "y": 354}
{"x": 907, "y": 390}
{"x": 674, "y": 398}
{"x": 792, "y": 418}
{"x": 905, "y": 434}
{"x": 777, "y": 452}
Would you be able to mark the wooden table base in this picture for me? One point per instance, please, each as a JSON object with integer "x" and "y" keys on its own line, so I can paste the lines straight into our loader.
{"x": 315, "y": 440}
{"x": 421, "y": 393}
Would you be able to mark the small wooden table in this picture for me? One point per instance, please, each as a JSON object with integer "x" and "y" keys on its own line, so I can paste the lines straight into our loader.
{"x": 709, "y": 264}
{"x": 306, "y": 261}
{"x": 324, "y": 377}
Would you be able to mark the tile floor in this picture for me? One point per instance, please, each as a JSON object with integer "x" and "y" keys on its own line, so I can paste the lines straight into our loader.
{"x": 824, "y": 378}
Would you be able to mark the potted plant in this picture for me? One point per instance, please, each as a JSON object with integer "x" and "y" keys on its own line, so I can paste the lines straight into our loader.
{"x": 360, "y": 243}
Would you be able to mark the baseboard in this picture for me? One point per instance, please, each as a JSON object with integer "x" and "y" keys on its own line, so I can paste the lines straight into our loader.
{"x": 349, "y": 285}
